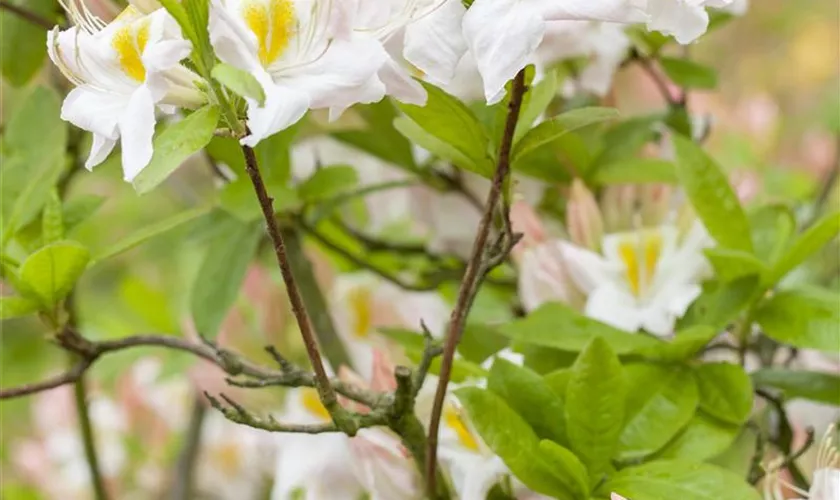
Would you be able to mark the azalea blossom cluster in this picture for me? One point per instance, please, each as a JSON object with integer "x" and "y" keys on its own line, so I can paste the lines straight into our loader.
{"x": 323, "y": 54}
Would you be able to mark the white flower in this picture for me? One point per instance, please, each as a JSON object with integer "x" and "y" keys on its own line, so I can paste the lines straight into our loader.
{"x": 645, "y": 278}
{"x": 123, "y": 71}
{"x": 826, "y": 481}
{"x": 685, "y": 20}
{"x": 302, "y": 52}
{"x": 502, "y": 35}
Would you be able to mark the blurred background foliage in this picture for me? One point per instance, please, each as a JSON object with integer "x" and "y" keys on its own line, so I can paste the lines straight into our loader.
{"x": 775, "y": 122}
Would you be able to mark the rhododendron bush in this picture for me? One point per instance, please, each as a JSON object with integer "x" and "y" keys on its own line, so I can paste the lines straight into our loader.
{"x": 405, "y": 249}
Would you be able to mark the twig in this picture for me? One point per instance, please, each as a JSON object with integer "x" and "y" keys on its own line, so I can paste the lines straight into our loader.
{"x": 325, "y": 390}
{"x": 27, "y": 15}
{"x": 476, "y": 267}
{"x": 784, "y": 438}
{"x": 316, "y": 304}
{"x": 657, "y": 78}
{"x": 68, "y": 377}
{"x": 182, "y": 488}
{"x": 431, "y": 351}
{"x": 88, "y": 439}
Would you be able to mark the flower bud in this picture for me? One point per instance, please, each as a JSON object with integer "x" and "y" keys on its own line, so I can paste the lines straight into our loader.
{"x": 145, "y": 6}
{"x": 583, "y": 217}
{"x": 655, "y": 203}
{"x": 618, "y": 204}
{"x": 524, "y": 220}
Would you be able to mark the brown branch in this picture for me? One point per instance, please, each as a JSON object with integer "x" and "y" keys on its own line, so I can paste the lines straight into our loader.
{"x": 325, "y": 390}
{"x": 477, "y": 266}
{"x": 27, "y": 15}
{"x": 68, "y": 377}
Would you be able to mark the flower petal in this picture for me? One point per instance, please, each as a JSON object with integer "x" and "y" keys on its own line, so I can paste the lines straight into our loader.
{"x": 233, "y": 42}
{"x": 283, "y": 107}
{"x": 588, "y": 269}
{"x": 99, "y": 150}
{"x": 137, "y": 127}
{"x": 502, "y": 35}
{"x": 684, "y": 20}
{"x": 614, "y": 306}
{"x": 435, "y": 43}
{"x": 94, "y": 110}
{"x": 400, "y": 85}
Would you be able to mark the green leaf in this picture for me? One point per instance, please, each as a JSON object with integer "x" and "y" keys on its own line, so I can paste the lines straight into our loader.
{"x": 178, "y": 11}
{"x": 730, "y": 265}
{"x": 720, "y": 303}
{"x": 689, "y": 74}
{"x": 712, "y": 197}
{"x": 816, "y": 386}
{"x": 448, "y": 120}
{"x": 380, "y": 138}
{"x": 443, "y": 150}
{"x": 685, "y": 345}
{"x": 558, "y": 326}
{"x": 175, "y": 144}
{"x": 528, "y": 394}
{"x": 660, "y": 401}
{"x": 327, "y": 182}
{"x": 480, "y": 341}
{"x": 726, "y": 392}
{"x": 13, "y": 307}
{"x": 33, "y": 158}
{"x": 636, "y": 171}
{"x": 221, "y": 274}
{"x": 50, "y": 273}
{"x": 52, "y": 225}
{"x": 240, "y": 82}
{"x": 560, "y": 125}
{"x": 802, "y": 318}
{"x": 145, "y": 234}
{"x": 704, "y": 437}
{"x": 536, "y": 101}
{"x": 772, "y": 226}
{"x": 812, "y": 240}
{"x": 510, "y": 437}
{"x": 625, "y": 139}
{"x": 28, "y": 41}
{"x": 566, "y": 465}
{"x": 673, "y": 479}
{"x": 595, "y": 406}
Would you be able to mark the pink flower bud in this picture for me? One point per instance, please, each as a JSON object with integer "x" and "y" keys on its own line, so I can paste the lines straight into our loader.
{"x": 583, "y": 217}
{"x": 524, "y": 220}
{"x": 747, "y": 184}
{"x": 618, "y": 204}
{"x": 655, "y": 203}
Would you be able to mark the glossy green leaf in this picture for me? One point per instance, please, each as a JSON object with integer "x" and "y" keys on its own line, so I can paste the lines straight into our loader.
{"x": 25, "y": 42}
{"x": 14, "y": 307}
{"x": 808, "y": 243}
{"x": 595, "y": 407}
{"x": 52, "y": 223}
{"x": 379, "y": 138}
{"x": 565, "y": 466}
{"x": 50, "y": 273}
{"x": 558, "y": 326}
{"x": 802, "y": 318}
{"x": 536, "y": 100}
{"x": 443, "y": 150}
{"x": 730, "y": 264}
{"x": 327, "y": 182}
{"x": 510, "y": 437}
{"x": 712, "y": 196}
{"x": 636, "y": 171}
{"x": 79, "y": 209}
{"x": 685, "y": 345}
{"x": 822, "y": 387}
{"x": 528, "y": 394}
{"x": 689, "y": 74}
{"x": 239, "y": 81}
{"x": 674, "y": 479}
{"x": 448, "y": 120}
{"x": 147, "y": 233}
{"x": 660, "y": 401}
{"x": 772, "y": 227}
{"x": 221, "y": 274}
{"x": 559, "y": 126}
{"x": 480, "y": 341}
{"x": 721, "y": 303}
{"x": 704, "y": 437}
{"x": 175, "y": 144}
{"x": 726, "y": 392}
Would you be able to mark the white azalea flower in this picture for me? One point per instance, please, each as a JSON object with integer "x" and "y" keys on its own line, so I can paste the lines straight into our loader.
{"x": 642, "y": 279}
{"x": 685, "y": 20}
{"x": 502, "y": 35}
{"x": 302, "y": 52}
{"x": 123, "y": 71}
{"x": 826, "y": 481}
